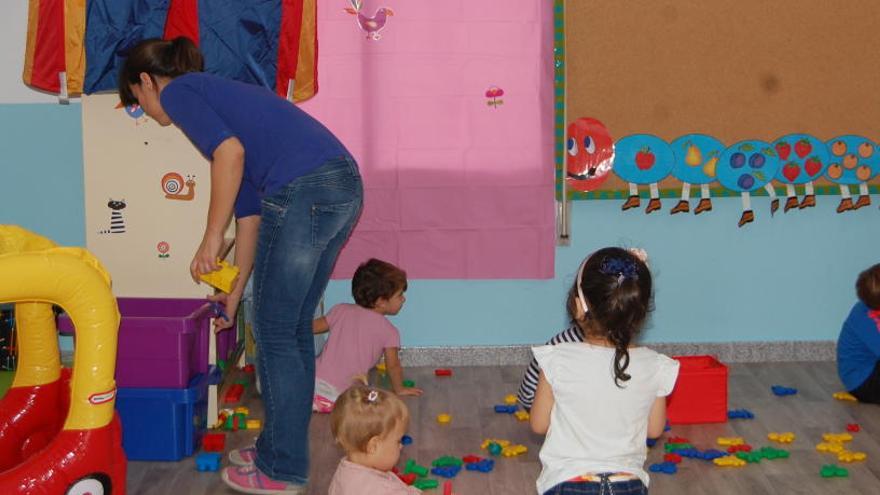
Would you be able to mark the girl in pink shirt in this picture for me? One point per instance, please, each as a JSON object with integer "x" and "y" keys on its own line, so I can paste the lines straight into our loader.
{"x": 368, "y": 424}
{"x": 360, "y": 334}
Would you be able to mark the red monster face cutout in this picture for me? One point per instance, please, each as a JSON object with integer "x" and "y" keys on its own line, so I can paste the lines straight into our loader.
{"x": 589, "y": 152}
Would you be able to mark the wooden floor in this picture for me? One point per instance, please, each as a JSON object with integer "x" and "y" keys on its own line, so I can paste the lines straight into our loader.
{"x": 470, "y": 394}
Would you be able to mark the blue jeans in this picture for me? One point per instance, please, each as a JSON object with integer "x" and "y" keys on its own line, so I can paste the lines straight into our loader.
{"x": 302, "y": 229}
{"x": 604, "y": 487}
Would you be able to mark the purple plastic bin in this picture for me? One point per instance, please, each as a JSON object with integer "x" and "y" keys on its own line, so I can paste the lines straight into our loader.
{"x": 163, "y": 343}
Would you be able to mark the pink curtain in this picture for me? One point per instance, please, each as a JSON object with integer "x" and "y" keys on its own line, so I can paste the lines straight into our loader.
{"x": 448, "y": 109}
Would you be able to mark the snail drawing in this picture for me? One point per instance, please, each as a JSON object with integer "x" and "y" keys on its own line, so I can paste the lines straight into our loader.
{"x": 173, "y": 186}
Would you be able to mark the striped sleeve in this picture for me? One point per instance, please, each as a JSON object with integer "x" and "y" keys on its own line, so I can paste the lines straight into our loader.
{"x": 526, "y": 393}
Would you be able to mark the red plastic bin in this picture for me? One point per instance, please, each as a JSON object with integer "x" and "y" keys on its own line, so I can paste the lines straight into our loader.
{"x": 163, "y": 343}
{"x": 700, "y": 394}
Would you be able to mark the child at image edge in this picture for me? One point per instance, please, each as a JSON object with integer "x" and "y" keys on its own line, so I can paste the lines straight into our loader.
{"x": 598, "y": 400}
{"x": 368, "y": 424}
{"x": 858, "y": 347}
{"x": 360, "y": 334}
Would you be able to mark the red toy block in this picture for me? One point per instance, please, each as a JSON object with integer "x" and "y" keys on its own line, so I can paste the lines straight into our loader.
{"x": 700, "y": 394}
{"x": 853, "y": 427}
{"x": 249, "y": 368}
{"x": 214, "y": 442}
{"x": 409, "y": 479}
{"x": 233, "y": 393}
{"x": 447, "y": 488}
{"x": 677, "y": 440}
{"x": 470, "y": 459}
{"x": 443, "y": 372}
{"x": 672, "y": 457}
{"x": 743, "y": 447}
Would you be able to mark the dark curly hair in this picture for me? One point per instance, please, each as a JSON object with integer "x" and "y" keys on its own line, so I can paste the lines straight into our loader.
{"x": 616, "y": 287}
{"x": 375, "y": 279}
{"x": 868, "y": 287}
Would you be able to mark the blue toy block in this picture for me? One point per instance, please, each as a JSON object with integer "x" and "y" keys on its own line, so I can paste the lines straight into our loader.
{"x": 780, "y": 390}
{"x": 208, "y": 461}
{"x": 483, "y": 466}
{"x": 664, "y": 467}
{"x": 406, "y": 440}
{"x": 507, "y": 409}
{"x": 446, "y": 471}
{"x": 740, "y": 414}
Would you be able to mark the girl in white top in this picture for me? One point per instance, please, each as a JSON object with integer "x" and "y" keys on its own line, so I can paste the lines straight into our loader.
{"x": 598, "y": 400}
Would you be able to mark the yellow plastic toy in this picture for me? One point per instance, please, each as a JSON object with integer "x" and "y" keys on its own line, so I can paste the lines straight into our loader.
{"x": 729, "y": 461}
{"x": 845, "y": 396}
{"x": 849, "y": 456}
{"x": 833, "y": 447}
{"x": 222, "y": 279}
{"x": 510, "y": 399}
{"x": 522, "y": 415}
{"x": 254, "y": 424}
{"x": 514, "y": 450}
{"x": 837, "y": 437}
{"x": 444, "y": 418}
{"x": 786, "y": 437}
{"x": 729, "y": 441}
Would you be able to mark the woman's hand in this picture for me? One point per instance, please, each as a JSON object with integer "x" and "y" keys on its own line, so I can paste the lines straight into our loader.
{"x": 230, "y": 303}
{"x": 205, "y": 259}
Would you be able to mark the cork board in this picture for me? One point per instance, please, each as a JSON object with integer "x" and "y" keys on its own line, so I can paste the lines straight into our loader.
{"x": 732, "y": 70}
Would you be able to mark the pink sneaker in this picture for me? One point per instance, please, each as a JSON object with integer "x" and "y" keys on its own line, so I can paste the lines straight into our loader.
{"x": 252, "y": 480}
{"x": 243, "y": 457}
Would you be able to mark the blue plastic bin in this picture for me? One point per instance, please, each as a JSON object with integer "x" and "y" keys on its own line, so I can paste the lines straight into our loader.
{"x": 164, "y": 424}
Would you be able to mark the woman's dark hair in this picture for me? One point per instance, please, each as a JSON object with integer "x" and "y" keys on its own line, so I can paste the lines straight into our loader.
{"x": 157, "y": 57}
{"x": 376, "y": 279}
{"x": 868, "y": 287}
{"x": 617, "y": 289}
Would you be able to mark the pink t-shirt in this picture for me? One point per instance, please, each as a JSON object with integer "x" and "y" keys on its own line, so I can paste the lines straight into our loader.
{"x": 354, "y": 479}
{"x": 358, "y": 337}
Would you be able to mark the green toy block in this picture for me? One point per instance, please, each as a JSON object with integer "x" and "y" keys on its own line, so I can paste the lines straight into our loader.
{"x": 750, "y": 457}
{"x": 409, "y": 383}
{"x": 833, "y": 471}
{"x": 446, "y": 460}
{"x": 412, "y": 467}
{"x": 672, "y": 447}
{"x": 222, "y": 364}
{"x": 426, "y": 483}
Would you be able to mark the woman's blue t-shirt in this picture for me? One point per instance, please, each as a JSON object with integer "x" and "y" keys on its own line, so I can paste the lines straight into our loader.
{"x": 858, "y": 347}
{"x": 281, "y": 142}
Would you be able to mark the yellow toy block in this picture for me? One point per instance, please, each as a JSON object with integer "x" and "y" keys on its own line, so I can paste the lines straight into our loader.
{"x": 486, "y": 442}
{"x": 786, "y": 437}
{"x": 522, "y": 415}
{"x": 830, "y": 447}
{"x": 254, "y": 424}
{"x": 849, "y": 456}
{"x": 845, "y": 396}
{"x": 729, "y": 441}
{"x": 381, "y": 368}
{"x": 510, "y": 399}
{"x": 837, "y": 437}
{"x": 223, "y": 278}
{"x": 444, "y": 418}
{"x": 729, "y": 461}
{"x": 242, "y": 410}
{"x": 514, "y": 450}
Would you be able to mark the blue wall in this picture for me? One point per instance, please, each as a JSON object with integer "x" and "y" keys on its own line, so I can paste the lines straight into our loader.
{"x": 785, "y": 278}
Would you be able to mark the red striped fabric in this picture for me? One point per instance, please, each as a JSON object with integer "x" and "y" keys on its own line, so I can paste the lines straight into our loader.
{"x": 49, "y": 46}
{"x": 288, "y": 44}
{"x": 183, "y": 20}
